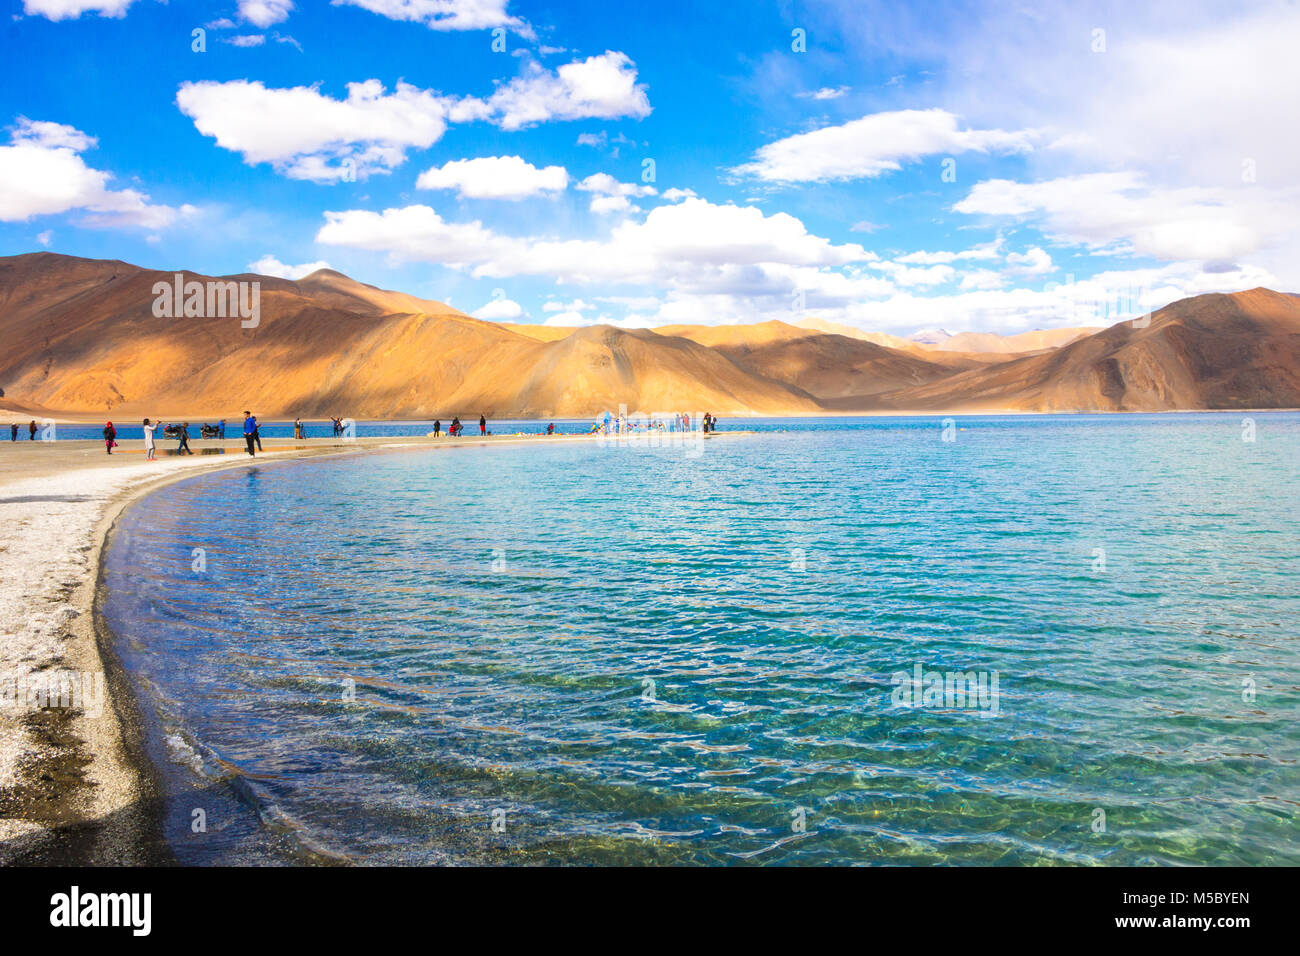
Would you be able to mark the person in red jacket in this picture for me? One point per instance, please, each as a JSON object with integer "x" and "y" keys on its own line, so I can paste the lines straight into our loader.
{"x": 110, "y": 437}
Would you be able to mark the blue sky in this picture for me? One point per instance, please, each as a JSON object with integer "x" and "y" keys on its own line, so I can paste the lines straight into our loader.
{"x": 960, "y": 165}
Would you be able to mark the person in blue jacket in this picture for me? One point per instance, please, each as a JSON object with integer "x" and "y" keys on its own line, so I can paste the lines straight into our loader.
{"x": 250, "y": 432}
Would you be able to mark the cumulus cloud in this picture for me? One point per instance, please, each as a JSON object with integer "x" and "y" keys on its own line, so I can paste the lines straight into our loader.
{"x": 246, "y": 40}
{"x": 494, "y": 177}
{"x": 1103, "y": 299}
{"x": 271, "y": 266}
{"x": 1102, "y": 210}
{"x": 42, "y": 173}
{"x": 689, "y": 244}
{"x": 599, "y": 87}
{"x": 71, "y": 9}
{"x": 577, "y": 305}
{"x": 982, "y": 279}
{"x": 567, "y": 319}
{"x": 613, "y": 196}
{"x": 264, "y": 13}
{"x": 916, "y": 275}
{"x": 443, "y": 14}
{"x": 305, "y": 134}
{"x": 873, "y": 145}
{"x": 987, "y": 250}
{"x": 499, "y": 308}
{"x": 1033, "y": 262}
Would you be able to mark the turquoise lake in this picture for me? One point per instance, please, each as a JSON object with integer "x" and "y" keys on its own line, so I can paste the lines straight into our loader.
{"x": 574, "y": 654}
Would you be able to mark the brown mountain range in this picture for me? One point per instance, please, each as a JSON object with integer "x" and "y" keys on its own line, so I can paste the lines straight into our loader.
{"x": 81, "y": 340}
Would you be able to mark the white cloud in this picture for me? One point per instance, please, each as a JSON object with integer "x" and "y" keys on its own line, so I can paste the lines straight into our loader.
{"x": 271, "y": 266}
{"x": 1101, "y": 209}
{"x": 42, "y": 174}
{"x": 499, "y": 308}
{"x": 307, "y": 135}
{"x": 826, "y": 93}
{"x": 246, "y": 40}
{"x": 577, "y": 305}
{"x": 413, "y": 234}
{"x": 921, "y": 275}
{"x": 443, "y": 14}
{"x": 599, "y": 87}
{"x": 987, "y": 250}
{"x": 71, "y": 9}
{"x": 611, "y": 195}
{"x": 566, "y": 319}
{"x": 691, "y": 244}
{"x": 494, "y": 177}
{"x": 1033, "y": 262}
{"x": 1104, "y": 299}
{"x": 264, "y": 13}
{"x": 982, "y": 279}
{"x": 675, "y": 194}
{"x": 875, "y": 144}
{"x": 45, "y": 238}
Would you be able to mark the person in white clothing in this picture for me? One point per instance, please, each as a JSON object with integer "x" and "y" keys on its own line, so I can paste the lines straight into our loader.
{"x": 148, "y": 441}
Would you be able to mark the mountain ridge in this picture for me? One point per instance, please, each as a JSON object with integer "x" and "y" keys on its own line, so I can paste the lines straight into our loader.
{"x": 81, "y": 339}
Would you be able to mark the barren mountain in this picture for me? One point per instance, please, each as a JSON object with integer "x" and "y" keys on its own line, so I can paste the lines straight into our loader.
{"x": 1035, "y": 341}
{"x": 839, "y": 328}
{"x": 1210, "y": 351}
{"x": 82, "y": 337}
{"x": 838, "y": 368}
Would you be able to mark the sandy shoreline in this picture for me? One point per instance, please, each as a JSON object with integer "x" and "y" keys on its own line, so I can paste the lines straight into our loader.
{"x": 75, "y": 786}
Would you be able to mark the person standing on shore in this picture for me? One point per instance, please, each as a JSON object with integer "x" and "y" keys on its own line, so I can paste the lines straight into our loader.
{"x": 31, "y": 431}
{"x": 250, "y": 432}
{"x": 482, "y": 425}
{"x": 437, "y": 427}
{"x": 455, "y": 426}
{"x": 221, "y": 429}
{"x": 149, "y": 451}
{"x": 13, "y": 432}
{"x": 110, "y": 436}
{"x": 297, "y": 428}
{"x": 184, "y": 436}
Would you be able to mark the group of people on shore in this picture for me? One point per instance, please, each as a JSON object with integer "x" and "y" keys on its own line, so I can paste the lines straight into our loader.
{"x": 456, "y": 429}
{"x": 680, "y": 422}
{"x": 13, "y": 431}
{"x": 153, "y": 430}
{"x": 253, "y": 437}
